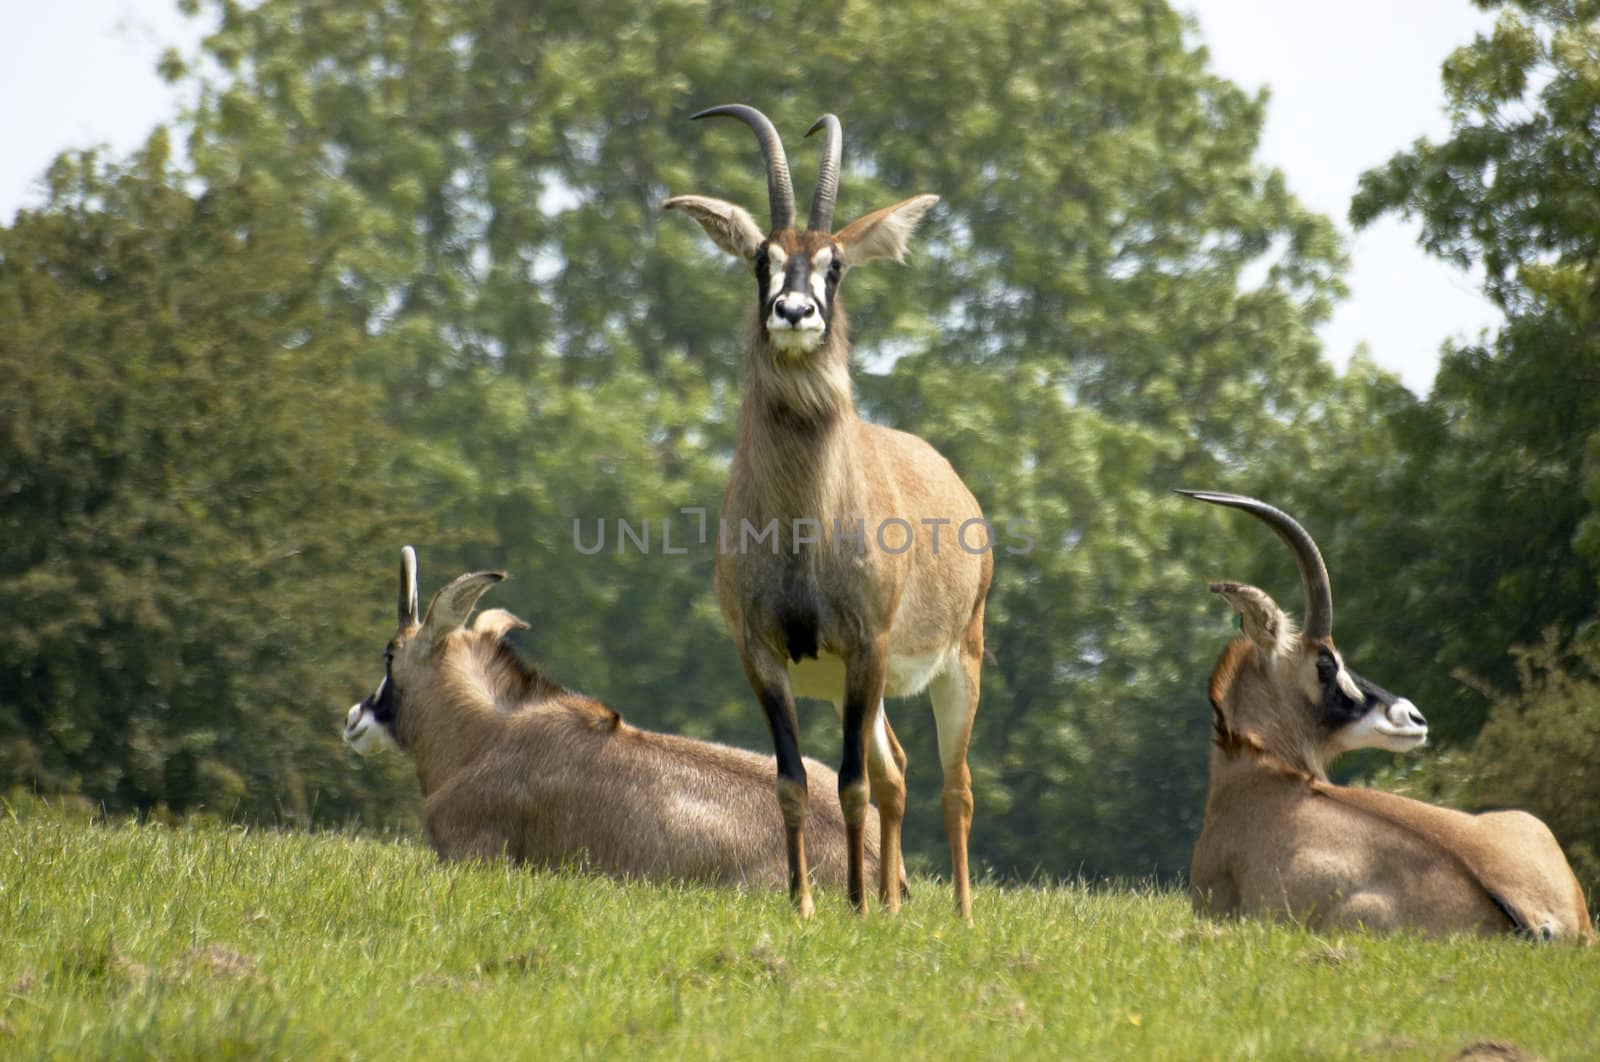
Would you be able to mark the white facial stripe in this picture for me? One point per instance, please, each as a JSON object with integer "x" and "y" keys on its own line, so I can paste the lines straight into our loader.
{"x": 1348, "y": 685}
{"x": 820, "y": 263}
{"x": 777, "y": 259}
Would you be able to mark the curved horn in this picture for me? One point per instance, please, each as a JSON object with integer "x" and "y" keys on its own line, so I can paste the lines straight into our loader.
{"x": 408, "y": 586}
{"x": 780, "y": 193}
{"x": 828, "y": 175}
{"x": 1313, "y": 573}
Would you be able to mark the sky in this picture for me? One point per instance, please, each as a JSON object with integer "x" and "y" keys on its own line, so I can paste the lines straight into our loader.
{"x": 1351, "y": 84}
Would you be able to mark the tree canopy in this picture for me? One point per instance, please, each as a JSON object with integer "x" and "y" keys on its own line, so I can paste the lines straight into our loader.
{"x": 189, "y": 470}
{"x": 1505, "y": 452}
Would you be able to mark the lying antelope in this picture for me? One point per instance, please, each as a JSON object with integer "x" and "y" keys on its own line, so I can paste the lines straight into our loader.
{"x": 1279, "y": 839}
{"x": 513, "y": 765}
{"x": 857, "y": 596}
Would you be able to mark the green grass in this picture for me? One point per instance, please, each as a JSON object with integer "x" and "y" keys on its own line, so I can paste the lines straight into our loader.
{"x": 208, "y": 941}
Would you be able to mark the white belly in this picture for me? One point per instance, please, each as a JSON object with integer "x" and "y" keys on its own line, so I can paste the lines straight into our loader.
{"x": 907, "y": 675}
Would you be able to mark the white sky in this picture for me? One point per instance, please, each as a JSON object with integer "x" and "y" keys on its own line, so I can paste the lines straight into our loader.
{"x": 1352, "y": 83}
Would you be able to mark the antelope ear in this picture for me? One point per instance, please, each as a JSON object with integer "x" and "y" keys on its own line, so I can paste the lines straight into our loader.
{"x": 883, "y": 233}
{"x": 452, "y": 605}
{"x": 497, "y": 622}
{"x": 1264, "y": 623}
{"x": 730, "y": 227}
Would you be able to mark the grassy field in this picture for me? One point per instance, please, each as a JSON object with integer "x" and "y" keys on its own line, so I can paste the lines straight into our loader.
{"x": 209, "y": 941}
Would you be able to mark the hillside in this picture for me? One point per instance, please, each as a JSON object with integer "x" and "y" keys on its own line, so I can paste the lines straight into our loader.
{"x": 208, "y": 941}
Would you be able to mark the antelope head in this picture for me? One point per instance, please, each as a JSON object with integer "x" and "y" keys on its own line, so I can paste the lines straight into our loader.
{"x": 411, "y": 658}
{"x": 798, "y": 273}
{"x": 1289, "y": 692}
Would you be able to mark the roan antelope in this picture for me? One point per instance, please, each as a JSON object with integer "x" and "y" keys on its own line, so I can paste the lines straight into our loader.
{"x": 513, "y": 765}
{"x": 1280, "y": 840}
{"x": 859, "y": 594}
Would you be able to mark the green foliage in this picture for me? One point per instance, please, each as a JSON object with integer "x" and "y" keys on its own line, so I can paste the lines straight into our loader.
{"x": 188, "y": 470}
{"x": 1539, "y": 750}
{"x": 1504, "y": 453}
{"x": 129, "y": 940}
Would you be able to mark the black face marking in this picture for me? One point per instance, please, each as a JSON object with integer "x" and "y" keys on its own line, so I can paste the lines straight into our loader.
{"x": 764, "y": 282}
{"x": 1338, "y": 708}
{"x": 830, "y": 286}
{"x": 796, "y": 281}
{"x": 384, "y": 701}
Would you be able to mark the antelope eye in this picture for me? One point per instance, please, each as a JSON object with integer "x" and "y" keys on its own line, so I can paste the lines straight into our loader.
{"x": 1327, "y": 667}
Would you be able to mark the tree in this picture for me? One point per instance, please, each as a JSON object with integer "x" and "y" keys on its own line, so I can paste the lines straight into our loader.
{"x": 1114, "y": 299}
{"x": 195, "y": 495}
{"x": 1538, "y": 751}
{"x": 1506, "y": 445}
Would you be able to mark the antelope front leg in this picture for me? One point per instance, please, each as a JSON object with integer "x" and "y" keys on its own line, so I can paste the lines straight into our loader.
{"x": 770, "y": 681}
{"x": 461, "y": 822}
{"x": 863, "y": 693}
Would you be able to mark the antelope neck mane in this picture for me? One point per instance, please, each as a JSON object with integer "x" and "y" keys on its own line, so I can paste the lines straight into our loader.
{"x": 504, "y": 677}
{"x": 519, "y": 686}
{"x": 1233, "y": 743}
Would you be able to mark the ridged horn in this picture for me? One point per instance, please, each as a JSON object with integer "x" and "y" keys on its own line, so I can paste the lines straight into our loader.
{"x": 408, "y": 586}
{"x": 780, "y": 193}
{"x": 1313, "y": 572}
{"x": 828, "y": 175}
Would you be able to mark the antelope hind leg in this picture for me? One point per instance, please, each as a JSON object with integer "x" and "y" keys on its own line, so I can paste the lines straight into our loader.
{"x": 955, "y": 703}
{"x": 886, "y": 767}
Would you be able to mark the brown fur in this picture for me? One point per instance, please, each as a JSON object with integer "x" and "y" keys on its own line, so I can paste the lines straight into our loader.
{"x": 803, "y": 450}
{"x": 804, "y": 453}
{"x": 1280, "y": 840}
{"x": 514, "y": 765}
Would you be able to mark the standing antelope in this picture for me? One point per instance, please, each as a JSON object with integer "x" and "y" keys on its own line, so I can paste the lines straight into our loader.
{"x": 1279, "y": 839}
{"x": 514, "y": 765}
{"x": 859, "y": 595}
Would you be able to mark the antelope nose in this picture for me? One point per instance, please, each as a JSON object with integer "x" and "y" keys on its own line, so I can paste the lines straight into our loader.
{"x": 794, "y": 310}
{"x": 1408, "y": 714}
